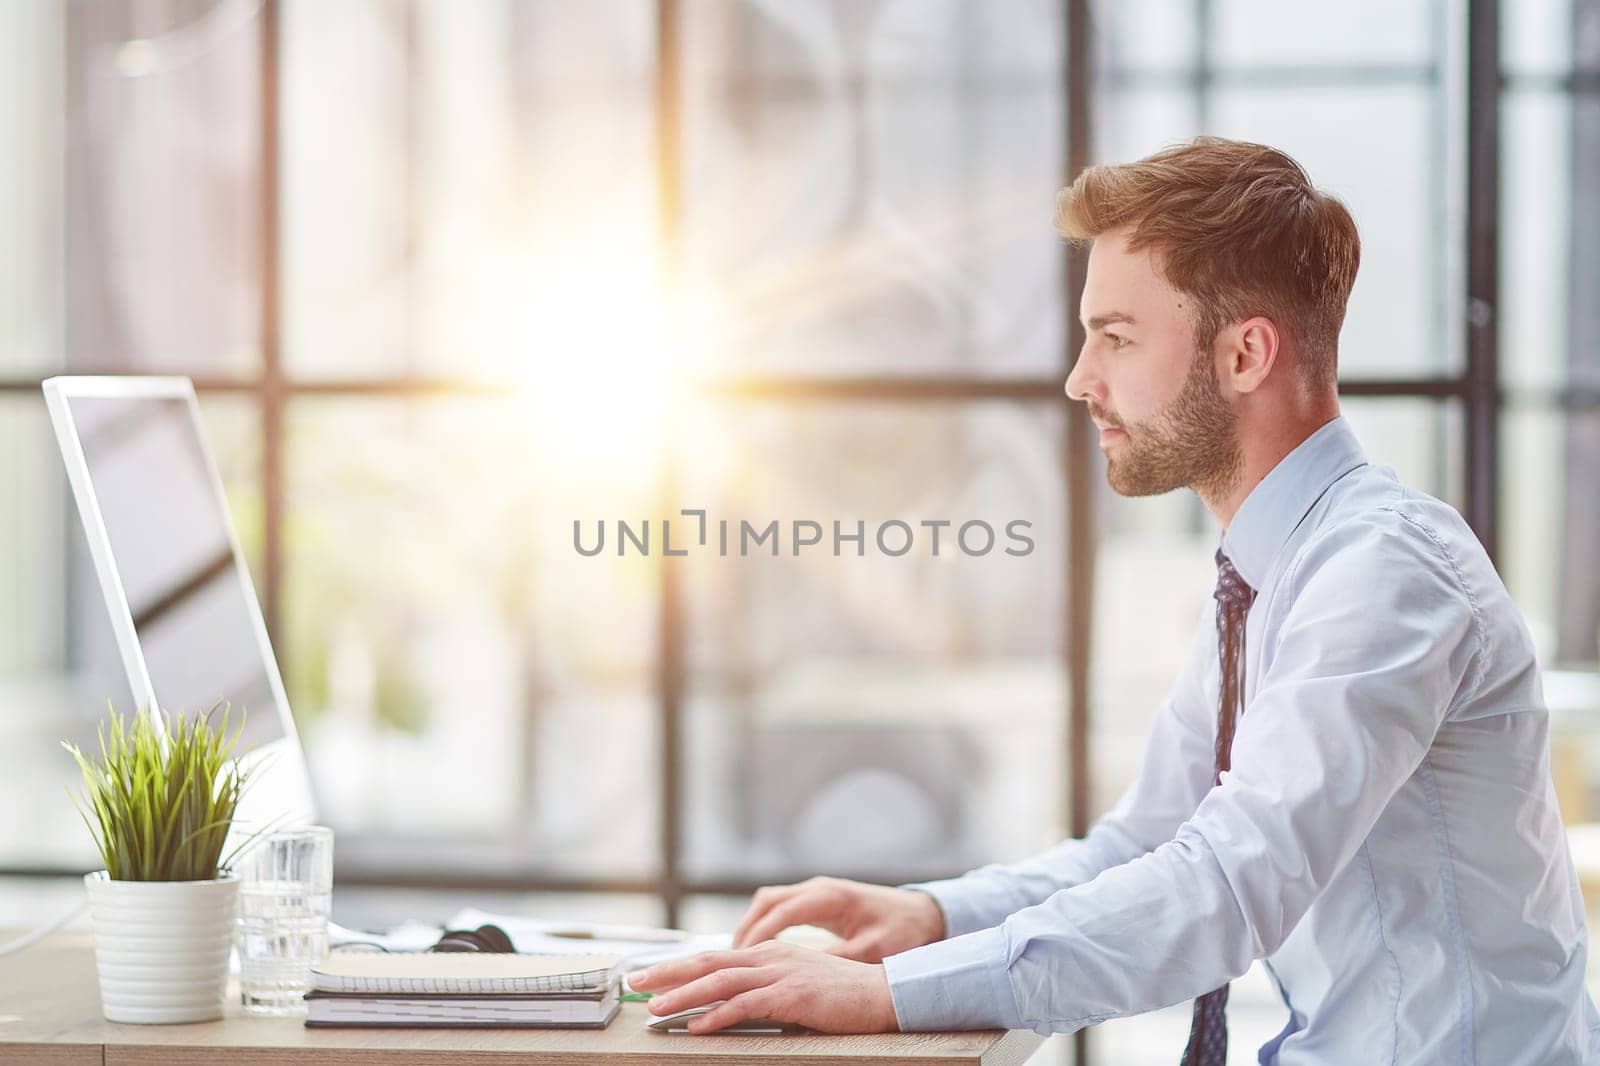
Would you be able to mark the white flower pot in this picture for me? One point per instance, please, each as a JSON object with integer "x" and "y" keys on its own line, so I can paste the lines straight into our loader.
{"x": 161, "y": 947}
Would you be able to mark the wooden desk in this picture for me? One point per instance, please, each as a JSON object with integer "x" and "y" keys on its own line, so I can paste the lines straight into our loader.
{"x": 50, "y": 1013}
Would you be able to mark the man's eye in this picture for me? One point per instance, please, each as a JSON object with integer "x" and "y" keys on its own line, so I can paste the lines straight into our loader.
{"x": 1117, "y": 341}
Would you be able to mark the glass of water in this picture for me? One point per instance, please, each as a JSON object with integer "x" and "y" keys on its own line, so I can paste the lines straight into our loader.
{"x": 285, "y": 894}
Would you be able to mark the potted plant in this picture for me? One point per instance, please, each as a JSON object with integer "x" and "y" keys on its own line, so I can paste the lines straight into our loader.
{"x": 159, "y": 800}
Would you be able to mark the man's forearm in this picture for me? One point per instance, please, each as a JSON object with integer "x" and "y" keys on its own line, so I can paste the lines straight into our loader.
{"x": 1175, "y": 774}
{"x": 982, "y": 898}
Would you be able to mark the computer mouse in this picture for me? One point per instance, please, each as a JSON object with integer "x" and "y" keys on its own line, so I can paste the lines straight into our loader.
{"x": 679, "y": 1023}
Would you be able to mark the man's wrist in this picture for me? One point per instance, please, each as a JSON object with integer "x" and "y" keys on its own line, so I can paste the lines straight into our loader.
{"x": 934, "y": 920}
{"x": 965, "y": 905}
{"x": 888, "y": 1020}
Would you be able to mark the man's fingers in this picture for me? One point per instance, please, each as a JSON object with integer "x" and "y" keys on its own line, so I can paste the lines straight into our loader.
{"x": 752, "y": 1004}
{"x": 724, "y": 984}
{"x": 861, "y": 949}
{"x": 796, "y": 911}
{"x": 762, "y": 902}
{"x": 671, "y": 974}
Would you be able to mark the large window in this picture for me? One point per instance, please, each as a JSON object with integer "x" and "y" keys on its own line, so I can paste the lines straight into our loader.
{"x": 453, "y": 278}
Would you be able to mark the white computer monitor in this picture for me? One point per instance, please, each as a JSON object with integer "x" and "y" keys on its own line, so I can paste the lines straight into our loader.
{"x": 187, "y": 623}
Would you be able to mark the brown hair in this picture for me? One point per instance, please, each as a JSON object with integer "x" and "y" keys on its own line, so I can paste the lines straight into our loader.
{"x": 1240, "y": 229}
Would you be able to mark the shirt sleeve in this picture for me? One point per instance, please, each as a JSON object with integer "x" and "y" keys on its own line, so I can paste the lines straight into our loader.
{"x": 1175, "y": 773}
{"x": 1377, "y": 643}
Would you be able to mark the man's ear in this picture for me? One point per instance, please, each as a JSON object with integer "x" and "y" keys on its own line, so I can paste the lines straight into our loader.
{"x": 1250, "y": 349}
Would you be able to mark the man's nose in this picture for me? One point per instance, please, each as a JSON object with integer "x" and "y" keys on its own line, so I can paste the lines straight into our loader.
{"x": 1080, "y": 381}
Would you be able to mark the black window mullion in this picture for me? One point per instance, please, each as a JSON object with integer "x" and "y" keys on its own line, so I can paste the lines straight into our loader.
{"x": 1077, "y": 84}
{"x": 271, "y": 385}
{"x": 1483, "y": 275}
{"x": 670, "y": 675}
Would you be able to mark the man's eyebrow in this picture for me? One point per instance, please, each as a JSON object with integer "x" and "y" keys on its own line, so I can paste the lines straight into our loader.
{"x": 1102, "y": 321}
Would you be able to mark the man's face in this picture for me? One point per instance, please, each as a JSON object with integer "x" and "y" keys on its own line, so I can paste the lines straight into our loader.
{"x": 1164, "y": 423}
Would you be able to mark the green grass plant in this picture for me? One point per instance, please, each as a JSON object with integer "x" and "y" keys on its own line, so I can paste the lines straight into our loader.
{"x": 160, "y": 796}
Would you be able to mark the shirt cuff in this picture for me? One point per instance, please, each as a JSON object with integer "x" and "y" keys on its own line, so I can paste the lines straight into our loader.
{"x": 961, "y": 902}
{"x": 961, "y": 983}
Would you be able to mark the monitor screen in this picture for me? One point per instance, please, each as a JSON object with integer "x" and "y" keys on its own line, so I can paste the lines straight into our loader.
{"x": 193, "y": 610}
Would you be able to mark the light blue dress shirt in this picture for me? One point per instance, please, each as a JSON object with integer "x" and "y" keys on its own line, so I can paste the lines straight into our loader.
{"x": 1387, "y": 839}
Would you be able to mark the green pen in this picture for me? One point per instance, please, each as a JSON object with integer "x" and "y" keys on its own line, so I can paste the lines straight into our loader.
{"x": 635, "y": 997}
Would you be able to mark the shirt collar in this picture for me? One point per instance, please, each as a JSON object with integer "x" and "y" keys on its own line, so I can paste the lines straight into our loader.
{"x": 1274, "y": 508}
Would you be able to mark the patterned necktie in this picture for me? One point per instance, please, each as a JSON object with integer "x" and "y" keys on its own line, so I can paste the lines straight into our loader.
{"x": 1208, "y": 1033}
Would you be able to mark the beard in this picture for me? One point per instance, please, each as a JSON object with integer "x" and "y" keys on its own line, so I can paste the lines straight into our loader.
{"x": 1193, "y": 443}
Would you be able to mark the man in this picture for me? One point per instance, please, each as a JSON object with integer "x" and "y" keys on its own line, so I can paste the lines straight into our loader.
{"x": 1350, "y": 777}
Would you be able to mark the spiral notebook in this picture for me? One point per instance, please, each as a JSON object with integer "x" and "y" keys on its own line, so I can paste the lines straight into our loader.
{"x": 463, "y": 973}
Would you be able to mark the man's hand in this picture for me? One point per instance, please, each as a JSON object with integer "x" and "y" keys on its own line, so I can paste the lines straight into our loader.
{"x": 782, "y": 982}
{"x": 873, "y": 921}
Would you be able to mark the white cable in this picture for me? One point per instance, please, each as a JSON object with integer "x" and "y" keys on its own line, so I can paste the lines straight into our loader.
{"x": 44, "y": 930}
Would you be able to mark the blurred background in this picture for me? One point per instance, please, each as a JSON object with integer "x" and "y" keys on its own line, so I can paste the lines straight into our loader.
{"x": 451, "y": 277}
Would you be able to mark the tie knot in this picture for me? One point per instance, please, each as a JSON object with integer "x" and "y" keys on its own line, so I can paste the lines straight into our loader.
{"x": 1232, "y": 590}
